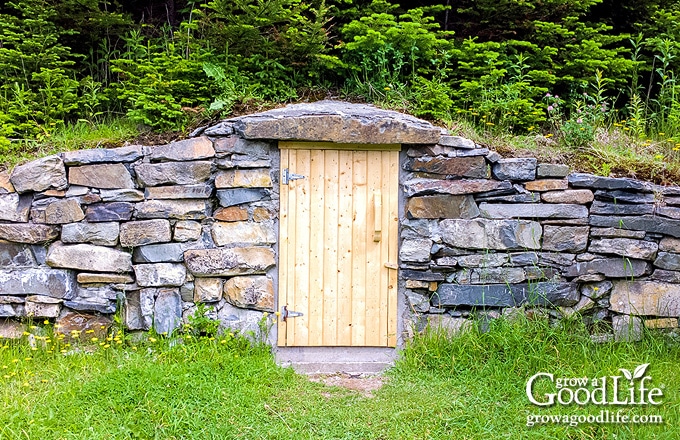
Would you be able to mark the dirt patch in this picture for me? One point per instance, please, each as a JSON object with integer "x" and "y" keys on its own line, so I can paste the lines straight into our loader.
{"x": 365, "y": 384}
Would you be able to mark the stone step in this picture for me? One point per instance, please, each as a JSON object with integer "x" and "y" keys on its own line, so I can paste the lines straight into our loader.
{"x": 329, "y": 360}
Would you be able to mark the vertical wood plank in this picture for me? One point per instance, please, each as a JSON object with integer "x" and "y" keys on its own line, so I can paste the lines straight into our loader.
{"x": 359, "y": 234}
{"x": 384, "y": 247}
{"x": 283, "y": 248}
{"x": 345, "y": 249}
{"x": 316, "y": 246}
{"x": 373, "y": 263}
{"x": 301, "y": 304}
{"x": 393, "y": 248}
{"x": 330, "y": 263}
{"x": 290, "y": 260}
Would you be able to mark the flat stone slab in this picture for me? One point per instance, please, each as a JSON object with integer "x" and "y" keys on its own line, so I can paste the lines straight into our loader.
{"x": 336, "y": 121}
{"x": 15, "y": 208}
{"x": 645, "y": 298}
{"x": 173, "y": 173}
{"x": 107, "y": 176}
{"x": 102, "y": 155}
{"x": 104, "y": 234}
{"x": 88, "y": 257}
{"x": 648, "y": 223}
{"x": 491, "y": 234}
{"x": 56, "y": 283}
{"x": 419, "y": 187}
{"x": 188, "y": 149}
{"x": 28, "y": 233}
{"x": 228, "y": 262}
{"x": 581, "y": 180}
{"x": 506, "y": 295}
{"x": 532, "y": 210}
{"x": 39, "y": 175}
{"x": 626, "y": 247}
{"x": 578, "y": 196}
{"x": 442, "y": 206}
{"x": 610, "y": 267}
{"x": 474, "y": 167}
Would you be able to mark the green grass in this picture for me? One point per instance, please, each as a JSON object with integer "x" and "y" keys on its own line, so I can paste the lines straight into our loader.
{"x": 468, "y": 387}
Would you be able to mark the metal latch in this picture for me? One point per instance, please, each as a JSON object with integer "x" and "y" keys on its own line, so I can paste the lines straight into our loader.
{"x": 288, "y": 176}
{"x": 285, "y": 313}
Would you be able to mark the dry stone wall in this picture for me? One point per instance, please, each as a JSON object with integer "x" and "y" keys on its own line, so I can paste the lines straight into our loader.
{"x": 146, "y": 231}
{"x": 486, "y": 236}
{"x": 149, "y": 232}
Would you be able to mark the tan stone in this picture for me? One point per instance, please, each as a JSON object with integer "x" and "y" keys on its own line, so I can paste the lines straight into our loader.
{"x": 107, "y": 176}
{"x": 88, "y": 257}
{"x": 39, "y": 175}
{"x": 54, "y": 193}
{"x": 251, "y": 178}
{"x": 261, "y": 214}
{"x": 5, "y": 185}
{"x": 76, "y": 325}
{"x": 63, "y": 211}
{"x": 662, "y": 323}
{"x": 187, "y": 230}
{"x": 188, "y": 149}
{"x": 28, "y": 233}
{"x": 228, "y": 262}
{"x": 253, "y": 292}
{"x": 645, "y": 298}
{"x": 243, "y": 232}
{"x": 578, "y": 196}
{"x": 208, "y": 289}
{"x": 95, "y": 278}
{"x": 191, "y": 209}
{"x": 143, "y": 232}
{"x": 417, "y": 284}
{"x": 10, "y": 329}
{"x": 38, "y": 306}
{"x": 442, "y": 206}
{"x": 670, "y": 244}
{"x": 231, "y": 214}
{"x": 546, "y": 185}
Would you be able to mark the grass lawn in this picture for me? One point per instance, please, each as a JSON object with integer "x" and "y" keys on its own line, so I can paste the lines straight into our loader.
{"x": 472, "y": 386}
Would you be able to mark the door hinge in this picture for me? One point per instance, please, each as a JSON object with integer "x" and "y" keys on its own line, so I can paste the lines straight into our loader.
{"x": 285, "y": 313}
{"x": 288, "y": 176}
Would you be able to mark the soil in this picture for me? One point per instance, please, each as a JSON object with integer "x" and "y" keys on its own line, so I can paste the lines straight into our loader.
{"x": 364, "y": 384}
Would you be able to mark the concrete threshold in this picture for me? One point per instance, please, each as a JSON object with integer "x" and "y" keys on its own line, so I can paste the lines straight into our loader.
{"x": 330, "y": 360}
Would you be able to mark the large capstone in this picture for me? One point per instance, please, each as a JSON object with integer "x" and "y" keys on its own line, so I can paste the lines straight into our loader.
{"x": 108, "y": 176}
{"x": 39, "y": 175}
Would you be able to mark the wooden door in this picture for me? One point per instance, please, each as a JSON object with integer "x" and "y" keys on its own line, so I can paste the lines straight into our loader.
{"x": 338, "y": 245}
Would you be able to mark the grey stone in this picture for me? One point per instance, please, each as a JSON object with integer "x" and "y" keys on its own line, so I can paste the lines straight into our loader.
{"x": 626, "y": 247}
{"x": 645, "y": 298}
{"x": 208, "y": 289}
{"x": 163, "y": 253}
{"x": 417, "y": 302}
{"x": 94, "y": 299}
{"x": 63, "y": 211}
{"x": 565, "y": 238}
{"x": 232, "y": 197}
{"x": 610, "y": 267}
{"x": 555, "y": 259}
{"x": 648, "y": 223}
{"x": 599, "y": 207}
{"x": 471, "y": 167}
{"x": 417, "y": 187}
{"x": 535, "y": 210}
{"x": 167, "y": 311}
{"x": 186, "y": 230}
{"x": 486, "y": 275}
{"x": 667, "y": 211}
{"x": 515, "y": 169}
{"x": 667, "y": 260}
{"x": 515, "y": 198}
{"x": 451, "y": 325}
{"x": 540, "y": 273}
{"x": 15, "y": 255}
{"x": 471, "y": 153}
{"x": 524, "y": 259}
{"x": 586, "y": 256}
{"x": 335, "y": 121}
{"x": 552, "y": 170}
{"x": 483, "y": 260}
{"x": 228, "y": 262}
{"x": 597, "y": 290}
{"x": 139, "y": 233}
{"x": 415, "y": 250}
{"x": 456, "y": 141}
{"x": 493, "y": 157}
{"x": 15, "y": 208}
{"x": 138, "y": 309}
{"x": 121, "y": 195}
{"x": 619, "y": 196}
{"x": 583, "y": 305}
{"x": 249, "y": 178}
{"x": 506, "y": 295}
{"x": 226, "y": 233}
{"x": 103, "y": 234}
{"x": 419, "y": 228}
{"x": 160, "y": 274}
{"x": 28, "y": 233}
{"x": 39, "y": 175}
{"x": 188, "y": 149}
{"x": 442, "y": 206}
{"x": 172, "y": 173}
{"x": 187, "y": 291}
{"x": 491, "y": 234}
{"x": 627, "y": 328}
{"x": 101, "y": 155}
{"x": 616, "y": 233}
{"x": 108, "y": 176}
{"x": 10, "y": 329}
{"x": 219, "y": 129}
{"x": 252, "y": 292}
{"x": 89, "y": 258}
{"x": 56, "y": 283}
{"x": 578, "y": 196}
{"x": 190, "y": 209}
{"x": 581, "y": 180}
{"x": 12, "y": 311}
{"x": 109, "y": 212}
{"x": 421, "y": 275}
{"x": 77, "y": 191}
{"x": 200, "y": 191}
{"x": 446, "y": 261}
{"x": 589, "y": 278}
{"x": 242, "y": 321}
{"x": 668, "y": 276}
{"x": 247, "y": 161}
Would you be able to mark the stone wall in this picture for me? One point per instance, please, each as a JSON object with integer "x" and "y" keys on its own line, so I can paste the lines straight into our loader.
{"x": 488, "y": 236}
{"x": 154, "y": 230}
{"x": 151, "y": 231}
